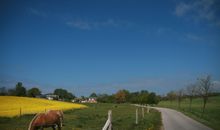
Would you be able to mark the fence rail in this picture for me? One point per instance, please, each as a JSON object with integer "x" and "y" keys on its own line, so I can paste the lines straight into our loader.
{"x": 108, "y": 123}
{"x": 142, "y": 108}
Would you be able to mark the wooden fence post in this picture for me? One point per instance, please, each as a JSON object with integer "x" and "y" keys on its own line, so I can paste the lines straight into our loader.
{"x": 110, "y": 119}
{"x": 136, "y": 121}
{"x": 148, "y": 108}
{"x": 20, "y": 111}
{"x": 108, "y": 124}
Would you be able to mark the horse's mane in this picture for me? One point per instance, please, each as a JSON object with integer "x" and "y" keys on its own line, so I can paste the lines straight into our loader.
{"x": 29, "y": 128}
{"x": 59, "y": 112}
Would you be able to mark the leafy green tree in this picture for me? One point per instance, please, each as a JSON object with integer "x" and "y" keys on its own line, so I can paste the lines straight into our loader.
{"x": 134, "y": 97}
{"x": 105, "y": 98}
{"x": 127, "y": 95}
{"x": 171, "y": 96}
{"x": 143, "y": 97}
{"x": 204, "y": 90}
{"x": 11, "y": 92}
{"x": 83, "y": 97}
{"x": 111, "y": 98}
{"x": 179, "y": 97}
{"x": 120, "y": 96}
{"x": 20, "y": 90}
{"x": 93, "y": 95}
{"x": 63, "y": 94}
{"x": 153, "y": 98}
{"x": 191, "y": 93}
{"x": 144, "y": 92}
{"x": 3, "y": 91}
{"x": 33, "y": 92}
{"x": 70, "y": 96}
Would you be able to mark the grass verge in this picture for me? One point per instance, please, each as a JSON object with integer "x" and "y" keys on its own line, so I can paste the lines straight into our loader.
{"x": 211, "y": 116}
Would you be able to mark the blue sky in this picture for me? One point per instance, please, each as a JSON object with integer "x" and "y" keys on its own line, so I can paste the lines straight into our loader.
{"x": 102, "y": 46}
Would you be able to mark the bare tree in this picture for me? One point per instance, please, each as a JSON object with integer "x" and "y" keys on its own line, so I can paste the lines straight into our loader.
{"x": 191, "y": 92}
{"x": 179, "y": 97}
{"x": 171, "y": 96}
{"x": 204, "y": 90}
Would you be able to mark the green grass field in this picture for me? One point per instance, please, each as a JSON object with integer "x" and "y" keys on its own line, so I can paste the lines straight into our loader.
{"x": 94, "y": 118}
{"x": 211, "y": 116}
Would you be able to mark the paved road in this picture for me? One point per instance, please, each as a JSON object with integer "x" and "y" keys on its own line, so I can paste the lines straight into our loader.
{"x": 174, "y": 120}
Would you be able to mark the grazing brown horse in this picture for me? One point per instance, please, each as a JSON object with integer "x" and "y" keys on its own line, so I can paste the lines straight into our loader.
{"x": 51, "y": 118}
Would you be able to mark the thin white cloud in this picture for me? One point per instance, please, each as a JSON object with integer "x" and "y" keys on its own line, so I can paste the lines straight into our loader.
{"x": 89, "y": 24}
{"x": 182, "y": 9}
{"x": 193, "y": 37}
{"x": 199, "y": 10}
{"x": 163, "y": 30}
{"x": 79, "y": 24}
{"x": 37, "y": 12}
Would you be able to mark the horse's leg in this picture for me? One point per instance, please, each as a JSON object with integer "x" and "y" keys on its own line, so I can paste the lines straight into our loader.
{"x": 60, "y": 122}
{"x": 59, "y": 126}
{"x": 54, "y": 127}
{"x": 41, "y": 128}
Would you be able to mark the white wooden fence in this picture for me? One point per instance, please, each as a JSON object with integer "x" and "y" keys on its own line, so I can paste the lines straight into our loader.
{"x": 142, "y": 108}
{"x": 108, "y": 124}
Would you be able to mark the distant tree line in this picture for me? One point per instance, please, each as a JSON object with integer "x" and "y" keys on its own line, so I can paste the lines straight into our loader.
{"x": 202, "y": 88}
{"x": 124, "y": 96}
{"x": 20, "y": 90}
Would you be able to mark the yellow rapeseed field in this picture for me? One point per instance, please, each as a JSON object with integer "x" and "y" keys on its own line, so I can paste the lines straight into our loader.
{"x": 14, "y": 106}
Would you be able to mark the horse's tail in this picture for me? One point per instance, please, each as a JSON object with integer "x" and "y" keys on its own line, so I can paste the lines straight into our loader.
{"x": 30, "y": 125}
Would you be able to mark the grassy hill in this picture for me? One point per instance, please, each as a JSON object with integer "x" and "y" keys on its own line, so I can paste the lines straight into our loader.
{"x": 212, "y": 112}
{"x": 15, "y": 106}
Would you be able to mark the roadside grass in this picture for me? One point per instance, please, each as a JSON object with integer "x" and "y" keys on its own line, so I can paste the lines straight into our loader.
{"x": 94, "y": 118}
{"x": 211, "y": 116}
